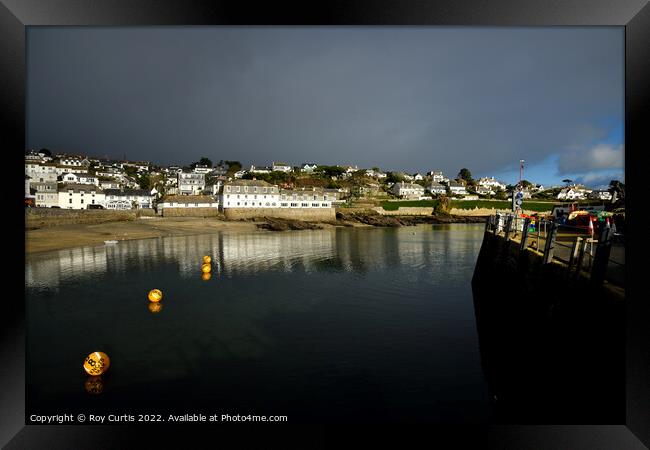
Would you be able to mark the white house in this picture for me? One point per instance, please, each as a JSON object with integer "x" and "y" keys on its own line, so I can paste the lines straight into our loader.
{"x": 491, "y": 183}
{"x": 418, "y": 177}
{"x": 457, "y": 188}
{"x": 41, "y": 172}
{"x": 281, "y": 167}
{"x": 308, "y": 167}
{"x": 438, "y": 176}
{"x": 437, "y": 188}
{"x": 407, "y": 190}
{"x": 138, "y": 198}
{"x": 254, "y": 169}
{"x": 73, "y": 161}
{"x": 600, "y": 195}
{"x": 260, "y": 194}
{"x": 47, "y": 194}
{"x": 250, "y": 194}
{"x": 570, "y": 194}
{"x": 239, "y": 174}
{"x": 199, "y": 168}
{"x": 188, "y": 201}
{"x": 190, "y": 183}
{"x": 79, "y": 196}
{"x": 75, "y": 178}
{"x": 109, "y": 184}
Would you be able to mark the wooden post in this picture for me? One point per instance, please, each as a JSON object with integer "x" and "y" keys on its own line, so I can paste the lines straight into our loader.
{"x": 599, "y": 267}
{"x": 497, "y": 219}
{"x": 487, "y": 223}
{"x": 524, "y": 234}
{"x": 508, "y": 227}
{"x": 574, "y": 253}
{"x": 550, "y": 243}
{"x": 581, "y": 256}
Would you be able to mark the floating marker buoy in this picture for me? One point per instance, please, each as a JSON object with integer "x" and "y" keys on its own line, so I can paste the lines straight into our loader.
{"x": 206, "y": 276}
{"x": 155, "y": 295}
{"x": 207, "y": 259}
{"x": 94, "y": 385}
{"x": 206, "y": 268}
{"x": 155, "y": 307}
{"x": 96, "y": 363}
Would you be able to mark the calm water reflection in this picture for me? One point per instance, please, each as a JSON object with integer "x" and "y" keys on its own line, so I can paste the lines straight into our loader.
{"x": 320, "y": 325}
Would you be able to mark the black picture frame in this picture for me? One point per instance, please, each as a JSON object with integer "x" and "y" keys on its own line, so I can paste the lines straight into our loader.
{"x": 634, "y": 15}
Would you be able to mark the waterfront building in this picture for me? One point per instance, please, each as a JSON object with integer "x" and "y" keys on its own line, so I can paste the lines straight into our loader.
{"x": 250, "y": 194}
{"x": 174, "y": 203}
{"x": 47, "y": 194}
{"x": 407, "y": 190}
{"x": 79, "y": 196}
{"x": 600, "y": 195}
{"x": 190, "y": 183}
{"x": 137, "y": 198}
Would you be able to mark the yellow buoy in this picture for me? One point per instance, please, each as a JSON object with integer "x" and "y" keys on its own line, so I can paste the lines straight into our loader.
{"x": 96, "y": 363}
{"x": 155, "y": 295}
{"x": 206, "y": 276}
{"x": 155, "y": 307}
{"x": 94, "y": 385}
{"x": 207, "y": 259}
{"x": 206, "y": 268}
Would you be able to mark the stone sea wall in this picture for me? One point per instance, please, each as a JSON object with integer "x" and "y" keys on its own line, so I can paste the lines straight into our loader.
{"x": 306, "y": 214}
{"x": 43, "y": 217}
{"x": 190, "y": 212}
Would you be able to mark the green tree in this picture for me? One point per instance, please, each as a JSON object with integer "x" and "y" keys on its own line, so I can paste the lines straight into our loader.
{"x": 144, "y": 181}
{"x": 45, "y": 151}
{"x": 394, "y": 177}
{"x": 465, "y": 174}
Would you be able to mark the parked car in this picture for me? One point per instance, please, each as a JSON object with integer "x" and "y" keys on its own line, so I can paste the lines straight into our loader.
{"x": 95, "y": 207}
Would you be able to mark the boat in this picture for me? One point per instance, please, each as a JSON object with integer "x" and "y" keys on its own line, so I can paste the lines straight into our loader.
{"x": 110, "y": 242}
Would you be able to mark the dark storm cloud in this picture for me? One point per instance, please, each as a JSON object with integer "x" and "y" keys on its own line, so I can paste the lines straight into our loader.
{"x": 399, "y": 98}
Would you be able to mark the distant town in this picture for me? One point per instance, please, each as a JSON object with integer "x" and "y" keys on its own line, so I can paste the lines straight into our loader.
{"x": 70, "y": 181}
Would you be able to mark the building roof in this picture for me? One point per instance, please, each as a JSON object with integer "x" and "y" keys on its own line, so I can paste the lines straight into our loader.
{"x": 124, "y": 192}
{"x": 80, "y": 187}
{"x": 401, "y": 184}
{"x": 189, "y": 199}
{"x": 248, "y": 183}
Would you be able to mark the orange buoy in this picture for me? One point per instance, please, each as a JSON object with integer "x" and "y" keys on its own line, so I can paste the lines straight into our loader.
{"x": 155, "y": 295}
{"x": 207, "y": 259}
{"x": 206, "y": 276}
{"x": 94, "y": 385}
{"x": 96, "y": 363}
{"x": 155, "y": 307}
{"x": 206, "y": 268}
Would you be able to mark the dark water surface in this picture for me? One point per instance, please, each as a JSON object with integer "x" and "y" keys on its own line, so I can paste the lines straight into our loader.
{"x": 319, "y": 325}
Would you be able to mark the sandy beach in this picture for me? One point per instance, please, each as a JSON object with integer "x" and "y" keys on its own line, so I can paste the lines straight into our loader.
{"x": 77, "y": 235}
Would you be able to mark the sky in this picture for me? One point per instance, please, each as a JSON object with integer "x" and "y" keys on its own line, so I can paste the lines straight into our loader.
{"x": 411, "y": 99}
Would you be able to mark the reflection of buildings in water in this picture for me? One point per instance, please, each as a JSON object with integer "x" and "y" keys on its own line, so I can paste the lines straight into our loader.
{"x": 47, "y": 272}
{"x": 264, "y": 251}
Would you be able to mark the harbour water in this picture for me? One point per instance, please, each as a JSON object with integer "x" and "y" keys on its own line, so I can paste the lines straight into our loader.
{"x": 333, "y": 325}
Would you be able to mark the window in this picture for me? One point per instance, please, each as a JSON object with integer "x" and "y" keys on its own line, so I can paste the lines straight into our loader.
{"x": 314, "y": 205}
{"x": 82, "y": 200}
{"x": 294, "y": 204}
{"x": 305, "y": 204}
{"x": 70, "y": 200}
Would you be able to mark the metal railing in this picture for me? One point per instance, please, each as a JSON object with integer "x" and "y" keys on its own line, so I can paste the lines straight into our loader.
{"x": 599, "y": 252}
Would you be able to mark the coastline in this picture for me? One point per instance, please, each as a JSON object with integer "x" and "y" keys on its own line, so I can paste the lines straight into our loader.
{"x": 63, "y": 236}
